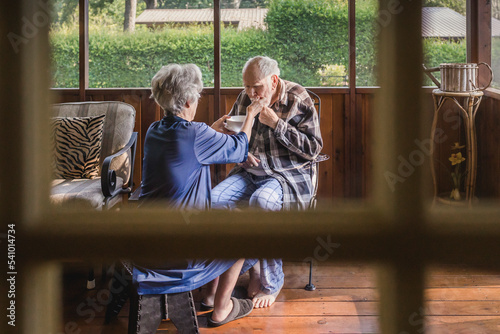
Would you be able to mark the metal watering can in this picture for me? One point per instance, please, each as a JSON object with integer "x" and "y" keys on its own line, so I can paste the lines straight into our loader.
{"x": 458, "y": 77}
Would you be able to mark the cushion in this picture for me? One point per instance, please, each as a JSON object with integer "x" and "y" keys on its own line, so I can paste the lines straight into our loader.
{"x": 81, "y": 194}
{"x": 77, "y": 146}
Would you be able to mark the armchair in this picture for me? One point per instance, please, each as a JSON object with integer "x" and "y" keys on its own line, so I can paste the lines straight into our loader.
{"x": 111, "y": 148}
{"x": 117, "y": 156}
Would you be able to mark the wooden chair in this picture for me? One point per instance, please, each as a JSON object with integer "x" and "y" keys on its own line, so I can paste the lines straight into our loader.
{"x": 114, "y": 176}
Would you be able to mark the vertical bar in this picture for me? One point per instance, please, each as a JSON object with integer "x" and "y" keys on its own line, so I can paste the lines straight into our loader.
{"x": 398, "y": 183}
{"x": 11, "y": 134}
{"x": 24, "y": 60}
{"x": 472, "y": 31}
{"x": 401, "y": 298}
{"x": 217, "y": 73}
{"x": 83, "y": 10}
{"x": 352, "y": 173}
{"x": 217, "y": 58}
{"x": 484, "y": 40}
{"x": 42, "y": 291}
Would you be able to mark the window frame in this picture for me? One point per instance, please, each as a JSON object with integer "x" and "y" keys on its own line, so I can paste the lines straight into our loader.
{"x": 396, "y": 230}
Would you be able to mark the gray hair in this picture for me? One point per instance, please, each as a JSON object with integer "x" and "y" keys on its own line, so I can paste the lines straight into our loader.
{"x": 266, "y": 65}
{"x": 174, "y": 85}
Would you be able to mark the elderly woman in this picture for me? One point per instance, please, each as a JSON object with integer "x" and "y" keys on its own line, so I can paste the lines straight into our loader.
{"x": 178, "y": 151}
{"x": 176, "y": 170}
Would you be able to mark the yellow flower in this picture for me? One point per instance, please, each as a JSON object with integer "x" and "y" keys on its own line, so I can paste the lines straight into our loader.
{"x": 456, "y": 158}
{"x": 457, "y": 146}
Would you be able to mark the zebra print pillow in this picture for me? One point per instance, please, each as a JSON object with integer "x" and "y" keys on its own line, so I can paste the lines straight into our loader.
{"x": 77, "y": 146}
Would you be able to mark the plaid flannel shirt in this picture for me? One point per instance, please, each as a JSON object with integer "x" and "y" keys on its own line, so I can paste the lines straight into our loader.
{"x": 286, "y": 152}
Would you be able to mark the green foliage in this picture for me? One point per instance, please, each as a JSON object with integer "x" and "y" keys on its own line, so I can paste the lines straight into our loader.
{"x": 65, "y": 54}
{"x": 131, "y": 60}
{"x": 110, "y": 12}
{"x": 495, "y": 61}
{"x": 185, "y": 4}
{"x": 312, "y": 33}
{"x": 306, "y": 37}
{"x": 236, "y": 48}
{"x": 254, "y": 3}
{"x": 366, "y": 41}
{"x": 438, "y": 51}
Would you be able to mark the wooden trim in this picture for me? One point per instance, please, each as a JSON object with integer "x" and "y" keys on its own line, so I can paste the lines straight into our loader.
{"x": 350, "y": 122}
{"x": 471, "y": 30}
{"x": 484, "y": 39}
{"x": 217, "y": 58}
{"x": 494, "y": 93}
{"x": 83, "y": 9}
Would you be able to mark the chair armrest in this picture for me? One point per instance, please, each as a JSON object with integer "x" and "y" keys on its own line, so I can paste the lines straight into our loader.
{"x": 313, "y": 170}
{"x": 108, "y": 176}
{"x": 321, "y": 157}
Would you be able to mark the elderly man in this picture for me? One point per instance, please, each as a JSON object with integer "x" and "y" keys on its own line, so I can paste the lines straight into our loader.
{"x": 285, "y": 138}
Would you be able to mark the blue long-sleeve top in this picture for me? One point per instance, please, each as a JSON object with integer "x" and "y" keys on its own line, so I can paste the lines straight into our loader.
{"x": 177, "y": 159}
{"x": 176, "y": 169}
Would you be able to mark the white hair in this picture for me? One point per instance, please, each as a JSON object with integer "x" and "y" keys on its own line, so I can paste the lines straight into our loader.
{"x": 174, "y": 85}
{"x": 266, "y": 66}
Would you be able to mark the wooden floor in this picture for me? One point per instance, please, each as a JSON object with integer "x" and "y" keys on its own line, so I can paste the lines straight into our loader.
{"x": 458, "y": 300}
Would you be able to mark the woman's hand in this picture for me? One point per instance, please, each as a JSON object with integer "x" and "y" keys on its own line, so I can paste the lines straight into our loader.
{"x": 252, "y": 161}
{"x": 219, "y": 125}
{"x": 255, "y": 108}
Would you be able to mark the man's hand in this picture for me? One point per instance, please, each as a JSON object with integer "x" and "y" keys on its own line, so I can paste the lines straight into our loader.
{"x": 268, "y": 117}
{"x": 219, "y": 125}
{"x": 252, "y": 161}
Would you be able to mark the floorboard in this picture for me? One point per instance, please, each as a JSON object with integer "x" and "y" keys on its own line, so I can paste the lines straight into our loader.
{"x": 458, "y": 300}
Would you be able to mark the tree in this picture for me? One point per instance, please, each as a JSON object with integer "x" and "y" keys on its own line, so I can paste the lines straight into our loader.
{"x": 130, "y": 11}
{"x": 151, "y": 4}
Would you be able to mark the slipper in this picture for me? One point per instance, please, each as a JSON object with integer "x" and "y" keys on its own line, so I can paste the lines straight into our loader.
{"x": 204, "y": 307}
{"x": 241, "y": 308}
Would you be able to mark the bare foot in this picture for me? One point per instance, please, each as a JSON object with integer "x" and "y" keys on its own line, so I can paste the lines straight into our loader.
{"x": 254, "y": 285}
{"x": 264, "y": 300}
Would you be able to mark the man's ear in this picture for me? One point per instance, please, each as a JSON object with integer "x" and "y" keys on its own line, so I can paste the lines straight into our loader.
{"x": 274, "y": 79}
{"x": 187, "y": 104}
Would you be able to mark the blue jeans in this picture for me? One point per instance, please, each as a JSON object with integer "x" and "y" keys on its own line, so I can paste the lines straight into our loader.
{"x": 264, "y": 192}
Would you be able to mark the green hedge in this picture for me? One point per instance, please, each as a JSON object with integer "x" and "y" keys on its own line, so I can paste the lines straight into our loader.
{"x": 306, "y": 37}
{"x": 437, "y": 51}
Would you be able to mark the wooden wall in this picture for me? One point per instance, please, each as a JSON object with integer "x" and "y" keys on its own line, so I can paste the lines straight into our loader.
{"x": 346, "y": 135}
{"x": 488, "y": 134}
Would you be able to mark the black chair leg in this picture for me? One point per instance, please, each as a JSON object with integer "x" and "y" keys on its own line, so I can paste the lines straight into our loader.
{"x": 147, "y": 311}
{"x": 310, "y": 286}
{"x": 145, "y": 314}
{"x": 120, "y": 288}
{"x": 181, "y": 310}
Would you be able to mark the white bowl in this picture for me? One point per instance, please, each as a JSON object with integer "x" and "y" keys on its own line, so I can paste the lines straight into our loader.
{"x": 235, "y": 123}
